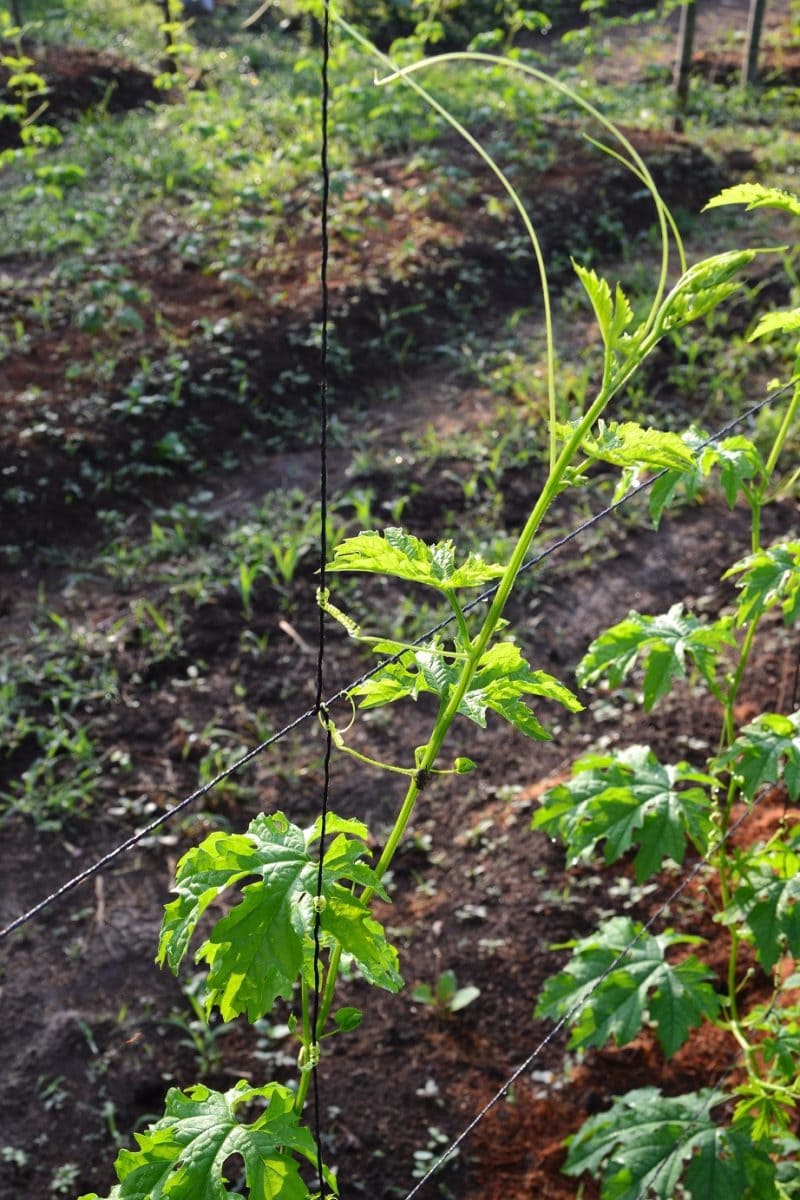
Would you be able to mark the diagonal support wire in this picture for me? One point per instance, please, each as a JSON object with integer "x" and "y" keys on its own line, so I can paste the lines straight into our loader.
{"x": 107, "y": 859}
{"x": 561, "y": 1024}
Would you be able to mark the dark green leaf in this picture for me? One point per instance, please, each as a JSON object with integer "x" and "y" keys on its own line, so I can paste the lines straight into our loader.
{"x": 767, "y": 901}
{"x": 647, "y": 1144}
{"x": 618, "y": 978}
{"x": 629, "y": 799}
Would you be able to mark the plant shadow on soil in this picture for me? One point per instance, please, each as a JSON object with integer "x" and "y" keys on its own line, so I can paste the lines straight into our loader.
{"x": 89, "y": 1047}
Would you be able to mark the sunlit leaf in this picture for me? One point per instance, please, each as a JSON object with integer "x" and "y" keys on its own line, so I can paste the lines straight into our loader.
{"x": 766, "y": 751}
{"x": 183, "y": 1155}
{"x": 257, "y": 952}
{"x": 767, "y": 578}
{"x": 757, "y": 195}
{"x": 397, "y": 553}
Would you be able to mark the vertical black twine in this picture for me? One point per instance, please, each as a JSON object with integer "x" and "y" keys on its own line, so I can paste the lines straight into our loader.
{"x": 323, "y": 548}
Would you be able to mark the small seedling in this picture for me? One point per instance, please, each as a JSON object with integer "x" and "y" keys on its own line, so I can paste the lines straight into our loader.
{"x": 445, "y": 995}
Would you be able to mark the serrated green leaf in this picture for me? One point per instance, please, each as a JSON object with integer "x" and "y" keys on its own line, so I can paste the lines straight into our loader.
{"x": 615, "y": 1001}
{"x": 767, "y": 901}
{"x": 501, "y": 679}
{"x": 258, "y": 950}
{"x": 687, "y": 479}
{"x": 703, "y": 287}
{"x": 757, "y": 195}
{"x": 765, "y": 751}
{"x": 646, "y": 1144}
{"x": 182, "y": 1156}
{"x": 769, "y": 1108}
{"x": 615, "y": 314}
{"x": 738, "y": 460}
{"x": 628, "y": 444}
{"x": 629, "y": 799}
{"x": 767, "y": 578}
{"x": 787, "y": 321}
{"x": 664, "y": 642}
{"x": 404, "y": 556}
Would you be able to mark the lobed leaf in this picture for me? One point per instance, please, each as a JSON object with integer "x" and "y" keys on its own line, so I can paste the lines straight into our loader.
{"x": 766, "y": 751}
{"x": 614, "y": 313}
{"x": 785, "y": 321}
{"x": 687, "y": 478}
{"x": 258, "y": 950}
{"x": 737, "y": 459}
{"x": 766, "y": 579}
{"x": 647, "y": 1145}
{"x": 627, "y": 444}
{"x": 629, "y": 799}
{"x": 766, "y": 901}
{"x": 664, "y": 642}
{"x": 397, "y": 553}
{"x": 756, "y": 195}
{"x": 183, "y": 1155}
{"x": 501, "y": 679}
{"x": 618, "y": 979}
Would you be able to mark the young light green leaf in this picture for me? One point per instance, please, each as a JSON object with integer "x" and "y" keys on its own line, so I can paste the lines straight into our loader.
{"x": 463, "y": 766}
{"x": 647, "y": 1145}
{"x": 738, "y": 460}
{"x": 664, "y": 642}
{"x": 628, "y": 444}
{"x": 757, "y": 195}
{"x": 397, "y": 553}
{"x": 347, "y": 1019}
{"x": 613, "y": 315}
{"x": 765, "y": 751}
{"x": 786, "y": 321}
{"x": 258, "y": 950}
{"x": 182, "y": 1156}
{"x": 629, "y": 799}
{"x": 703, "y": 287}
{"x": 500, "y": 681}
{"x": 767, "y": 578}
{"x": 617, "y": 1001}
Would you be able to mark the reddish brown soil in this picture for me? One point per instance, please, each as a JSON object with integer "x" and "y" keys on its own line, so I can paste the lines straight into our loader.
{"x": 78, "y": 80}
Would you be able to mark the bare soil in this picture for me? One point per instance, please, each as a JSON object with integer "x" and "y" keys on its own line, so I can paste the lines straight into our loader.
{"x": 92, "y": 1033}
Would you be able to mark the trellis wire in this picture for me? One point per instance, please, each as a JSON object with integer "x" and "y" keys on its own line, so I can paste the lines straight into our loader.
{"x": 343, "y": 692}
{"x": 576, "y": 1008}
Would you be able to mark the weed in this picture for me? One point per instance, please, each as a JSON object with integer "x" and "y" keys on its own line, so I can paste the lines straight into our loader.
{"x": 445, "y": 996}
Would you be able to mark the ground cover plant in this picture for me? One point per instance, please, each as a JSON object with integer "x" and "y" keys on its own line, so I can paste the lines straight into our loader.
{"x": 180, "y": 629}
